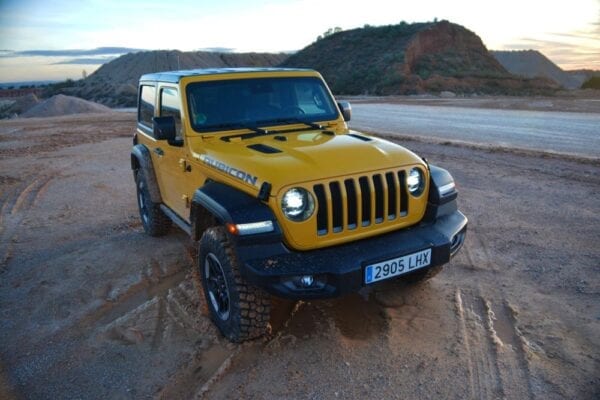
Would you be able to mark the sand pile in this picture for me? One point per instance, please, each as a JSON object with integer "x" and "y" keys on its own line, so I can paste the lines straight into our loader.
{"x": 64, "y": 105}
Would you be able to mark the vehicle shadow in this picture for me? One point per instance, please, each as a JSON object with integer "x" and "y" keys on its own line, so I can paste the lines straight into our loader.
{"x": 355, "y": 316}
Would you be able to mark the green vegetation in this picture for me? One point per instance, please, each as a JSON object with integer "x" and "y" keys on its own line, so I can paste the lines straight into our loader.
{"x": 329, "y": 32}
{"x": 592, "y": 83}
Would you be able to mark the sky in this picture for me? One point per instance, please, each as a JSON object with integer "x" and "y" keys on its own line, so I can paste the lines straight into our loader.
{"x": 59, "y": 39}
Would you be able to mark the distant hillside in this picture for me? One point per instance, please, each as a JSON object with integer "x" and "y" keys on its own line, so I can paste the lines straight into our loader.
{"x": 411, "y": 58}
{"x": 532, "y": 64}
{"x": 582, "y": 75}
{"x": 129, "y": 67}
{"x": 115, "y": 84}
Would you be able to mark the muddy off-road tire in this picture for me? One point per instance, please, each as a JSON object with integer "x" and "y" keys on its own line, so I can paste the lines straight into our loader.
{"x": 240, "y": 311}
{"x": 424, "y": 275}
{"x": 155, "y": 222}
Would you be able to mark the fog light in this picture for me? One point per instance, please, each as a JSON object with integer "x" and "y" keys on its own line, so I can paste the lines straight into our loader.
{"x": 307, "y": 280}
{"x": 304, "y": 282}
{"x": 456, "y": 242}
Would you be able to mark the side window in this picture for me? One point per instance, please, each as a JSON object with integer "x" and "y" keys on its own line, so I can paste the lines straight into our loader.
{"x": 146, "y": 105}
{"x": 169, "y": 106}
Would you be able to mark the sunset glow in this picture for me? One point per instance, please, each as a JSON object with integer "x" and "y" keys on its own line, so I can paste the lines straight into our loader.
{"x": 566, "y": 32}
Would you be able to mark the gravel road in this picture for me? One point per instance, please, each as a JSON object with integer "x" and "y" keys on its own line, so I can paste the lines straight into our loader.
{"x": 559, "y": 132}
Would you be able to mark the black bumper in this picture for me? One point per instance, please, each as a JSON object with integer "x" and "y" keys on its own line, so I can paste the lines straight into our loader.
{"x": 340, "y": 269}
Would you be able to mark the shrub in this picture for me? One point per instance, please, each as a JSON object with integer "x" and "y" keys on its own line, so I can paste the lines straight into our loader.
{"x": 592, "y": 83}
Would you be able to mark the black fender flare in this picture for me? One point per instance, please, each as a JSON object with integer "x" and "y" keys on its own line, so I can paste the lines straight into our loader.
{"x": 439, "y": 178}
{"x": 226, "y": 205}
{"x": 141, "y": 159}
{"x": 440, "y": 203}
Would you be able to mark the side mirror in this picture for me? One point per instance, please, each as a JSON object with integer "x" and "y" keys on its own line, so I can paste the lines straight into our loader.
{"x": 346, "y": 110}
{"x": 164, "y": 128}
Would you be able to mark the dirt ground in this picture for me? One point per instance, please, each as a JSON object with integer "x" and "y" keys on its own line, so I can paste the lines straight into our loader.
{"x": 91, "y": 307}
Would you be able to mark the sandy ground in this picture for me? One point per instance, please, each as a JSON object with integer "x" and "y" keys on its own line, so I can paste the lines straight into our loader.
{"x": 91, "y": 307}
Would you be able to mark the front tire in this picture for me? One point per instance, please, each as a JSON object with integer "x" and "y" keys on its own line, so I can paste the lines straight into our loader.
{"x": 240, "y": 311}
{"x": 155, "y": 222}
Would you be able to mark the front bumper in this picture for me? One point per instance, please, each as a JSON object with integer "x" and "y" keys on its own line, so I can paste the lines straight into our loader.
{"x": 340, "y": 269}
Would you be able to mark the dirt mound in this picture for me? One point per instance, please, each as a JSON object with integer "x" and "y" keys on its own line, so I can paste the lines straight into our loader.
{"x": 411, "y": 58}
{"x": 64, "y": 105}
{"x": 532, "y": 63}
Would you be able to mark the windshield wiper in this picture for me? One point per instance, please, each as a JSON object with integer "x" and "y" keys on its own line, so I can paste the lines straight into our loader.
{"x": 256, "y": 131}
{"x": 252, "y": 128}
{"x": 299, "y": 121}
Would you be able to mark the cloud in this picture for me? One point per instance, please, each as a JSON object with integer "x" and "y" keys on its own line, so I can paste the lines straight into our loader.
{"x": 544, "y": 42}
{"x": 99, "y": 51}
{"x": 218, "y": 49}
{"x": 578, "y": 35}
{"x": 85, "y": 61}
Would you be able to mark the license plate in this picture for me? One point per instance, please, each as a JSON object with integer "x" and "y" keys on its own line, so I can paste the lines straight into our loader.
{"x": 397, "y": 266}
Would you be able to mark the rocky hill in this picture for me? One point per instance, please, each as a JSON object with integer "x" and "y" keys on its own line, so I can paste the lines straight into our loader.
{"x": 532, "y": 63}
{"x": 129, "y": 67}
{"x": 115, "y": 84}
{"x": 411, "y": 58}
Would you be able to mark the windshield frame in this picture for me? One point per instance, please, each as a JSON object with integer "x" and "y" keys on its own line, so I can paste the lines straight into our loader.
{"x": 253, "y": 124}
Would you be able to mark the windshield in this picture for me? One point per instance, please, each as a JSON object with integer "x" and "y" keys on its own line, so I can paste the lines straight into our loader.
{"x": 240, "y": 103}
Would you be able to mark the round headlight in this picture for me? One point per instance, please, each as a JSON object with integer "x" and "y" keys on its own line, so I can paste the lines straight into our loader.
{"x": 415, "y": 182}
{"x": 298, "y": 204}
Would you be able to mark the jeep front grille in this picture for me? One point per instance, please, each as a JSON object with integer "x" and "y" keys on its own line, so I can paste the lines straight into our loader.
{"x": 360, "y": 202}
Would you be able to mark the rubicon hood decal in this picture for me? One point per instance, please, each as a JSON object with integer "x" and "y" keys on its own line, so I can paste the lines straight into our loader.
{"x": 236, "y": 173}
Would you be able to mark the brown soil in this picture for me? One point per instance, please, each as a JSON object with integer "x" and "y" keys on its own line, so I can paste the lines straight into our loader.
{"x": 93, "y": 308}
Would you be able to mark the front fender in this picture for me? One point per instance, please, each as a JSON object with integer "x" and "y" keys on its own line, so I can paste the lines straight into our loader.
{"x": 442, "y": 194}
{"x": 141, "y": 159}
{"x": 227, "y": 205}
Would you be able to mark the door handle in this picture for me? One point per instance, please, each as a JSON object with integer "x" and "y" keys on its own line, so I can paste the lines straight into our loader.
{"x": 159, "y": 151}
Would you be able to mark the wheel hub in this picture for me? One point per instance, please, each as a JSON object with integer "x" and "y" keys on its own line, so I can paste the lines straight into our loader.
{"x": 142, "y": 203}
{"x": 218, "y": 292}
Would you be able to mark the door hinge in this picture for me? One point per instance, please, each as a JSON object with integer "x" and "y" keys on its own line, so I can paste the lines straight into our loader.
{"x": 182, "y": 164}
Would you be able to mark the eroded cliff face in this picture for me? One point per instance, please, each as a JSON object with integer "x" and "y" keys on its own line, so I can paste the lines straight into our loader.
{"x": 445, "y": 44}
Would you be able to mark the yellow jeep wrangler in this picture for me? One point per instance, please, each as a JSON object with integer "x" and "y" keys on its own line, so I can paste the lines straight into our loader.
{"x": 259, "y": 166}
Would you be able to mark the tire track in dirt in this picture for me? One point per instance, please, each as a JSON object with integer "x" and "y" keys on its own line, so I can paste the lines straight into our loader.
{"x": 15, "y": 204}
{"x": 26, "y": 198}
{"x": 460, "y": 310}
{"x": 495, "y": 348}
{"x": 483, "y": 365}
{"x": 156, "y": 312}
{"x": 146, "y": 289}
{"x": 510, "y": 351}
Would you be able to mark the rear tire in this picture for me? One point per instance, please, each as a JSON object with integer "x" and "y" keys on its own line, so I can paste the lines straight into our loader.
{"x": 154, "y": 221}
{"x": 240, "y": 311}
